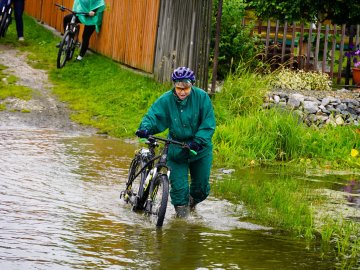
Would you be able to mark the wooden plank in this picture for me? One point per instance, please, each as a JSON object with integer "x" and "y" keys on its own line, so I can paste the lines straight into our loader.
{"x": 267, "y": 40}
{"x": 102, "y": 41}
{"x": 152, "y": 13}
{"x": 323, "y": 66}
{"x": 343, "y": 28}
{"x": 308, "y": 49}
{"x": 300, "y": 46}
{"x": 317, "y": 46}
{"x": 293, "y": 35}
{"x": 284, "y": 43}
{"x": 333, "y": 48}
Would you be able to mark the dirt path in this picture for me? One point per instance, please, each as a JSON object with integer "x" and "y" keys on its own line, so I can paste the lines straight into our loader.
{"x": 45, "y": 111}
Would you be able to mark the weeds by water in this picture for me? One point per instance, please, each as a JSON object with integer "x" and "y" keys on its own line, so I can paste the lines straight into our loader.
{"x": 279, "y": 202}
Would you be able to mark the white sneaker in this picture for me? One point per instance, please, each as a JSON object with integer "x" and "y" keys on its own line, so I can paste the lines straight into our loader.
{"x": 21, "y": 39}
{"x": 79, "y": 58}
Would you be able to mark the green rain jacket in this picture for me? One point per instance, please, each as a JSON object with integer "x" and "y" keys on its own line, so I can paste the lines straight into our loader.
{"x": 191, "y": 119}
{"x": 90, "y": 5}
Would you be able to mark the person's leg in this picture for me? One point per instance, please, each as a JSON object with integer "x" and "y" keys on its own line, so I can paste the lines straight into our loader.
{"x": 200, "y": 174}
{"x": 88, "y": 30}
{"x": 179, "y": 192}
{"x": 18, "y": 13}
{"x": 66, "y": 20}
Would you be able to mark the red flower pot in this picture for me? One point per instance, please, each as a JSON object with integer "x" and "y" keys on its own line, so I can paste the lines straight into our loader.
{"x": 356, "y": 76}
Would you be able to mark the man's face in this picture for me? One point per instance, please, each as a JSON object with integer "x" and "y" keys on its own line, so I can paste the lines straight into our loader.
{"x": 182, "y": 89}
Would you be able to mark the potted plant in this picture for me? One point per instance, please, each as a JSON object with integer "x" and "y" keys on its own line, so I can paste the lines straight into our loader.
{"x": 354, "y": 56}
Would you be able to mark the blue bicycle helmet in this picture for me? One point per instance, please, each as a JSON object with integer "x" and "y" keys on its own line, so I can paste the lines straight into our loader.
{"x": 183, "y": 74}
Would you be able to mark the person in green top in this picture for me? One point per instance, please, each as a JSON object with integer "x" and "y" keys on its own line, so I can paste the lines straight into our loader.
{"x": 92, "y": 20}
{"x": 187, "y": 112}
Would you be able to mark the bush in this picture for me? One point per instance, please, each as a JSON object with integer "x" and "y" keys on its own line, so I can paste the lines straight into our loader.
{"x": 237, "y": 43}
{"x": 301, "y": 80}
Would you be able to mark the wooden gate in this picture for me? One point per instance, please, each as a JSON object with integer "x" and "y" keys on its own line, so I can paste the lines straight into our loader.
{"x": 313, "y": 47}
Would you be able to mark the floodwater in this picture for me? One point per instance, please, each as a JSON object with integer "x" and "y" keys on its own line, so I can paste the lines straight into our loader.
{"x": 60, "y": 209}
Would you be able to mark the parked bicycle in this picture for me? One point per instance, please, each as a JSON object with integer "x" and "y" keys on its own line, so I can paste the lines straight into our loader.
{"x": 147, "y": 187}
{"x": 5, "y": 16}
{"x": 70, "y": 39}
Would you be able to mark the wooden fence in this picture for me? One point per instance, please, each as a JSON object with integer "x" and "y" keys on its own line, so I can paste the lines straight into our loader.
{"x": 128, "y": 31}
{"x": 155, "y": 36}
{"x": 184, "y": 38}
{"x": 289, "y": 44}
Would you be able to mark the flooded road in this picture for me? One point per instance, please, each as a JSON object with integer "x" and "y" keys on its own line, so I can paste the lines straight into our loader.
{"x": 60, "y": 209}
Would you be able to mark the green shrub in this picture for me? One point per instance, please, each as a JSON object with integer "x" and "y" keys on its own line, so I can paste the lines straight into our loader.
{"x": 237, "y": 43}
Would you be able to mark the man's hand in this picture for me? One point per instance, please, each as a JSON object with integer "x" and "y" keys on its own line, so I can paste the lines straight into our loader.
{"x": 91, "y": 13}
{"x": 142, "y": 133}
{"x": 195, "y": 146}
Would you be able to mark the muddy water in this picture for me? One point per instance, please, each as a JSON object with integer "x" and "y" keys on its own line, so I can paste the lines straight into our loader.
{"x": 60, "y": 209}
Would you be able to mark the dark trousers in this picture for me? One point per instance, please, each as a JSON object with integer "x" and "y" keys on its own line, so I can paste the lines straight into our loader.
{"x": 19, "y": 6}
{"x": 88, "y": 31}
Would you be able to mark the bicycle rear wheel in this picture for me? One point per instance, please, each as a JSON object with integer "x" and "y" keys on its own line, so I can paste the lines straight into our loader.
{"x": 159, "y": 198}
{"x": 64, "y": 50}
{"x": 134, "y": 191}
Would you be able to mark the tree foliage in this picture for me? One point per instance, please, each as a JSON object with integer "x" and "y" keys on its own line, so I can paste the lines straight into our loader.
{"x": 338, "y": 11}
{"x": 236, "y": 41}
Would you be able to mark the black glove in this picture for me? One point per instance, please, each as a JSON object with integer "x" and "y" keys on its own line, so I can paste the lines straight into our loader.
{"x": 195, "y": 146}
{"x": 142, "y": 133}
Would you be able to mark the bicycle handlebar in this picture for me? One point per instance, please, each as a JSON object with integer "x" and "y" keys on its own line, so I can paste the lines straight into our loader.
{"x": 169, "y": 141}
{"x": 63, "y": 8}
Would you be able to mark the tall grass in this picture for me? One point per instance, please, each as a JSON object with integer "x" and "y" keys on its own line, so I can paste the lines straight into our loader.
{"x": 247, "y": 134}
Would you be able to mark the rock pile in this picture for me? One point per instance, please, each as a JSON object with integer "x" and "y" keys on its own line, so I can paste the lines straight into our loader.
{"x": 340, "y": 107}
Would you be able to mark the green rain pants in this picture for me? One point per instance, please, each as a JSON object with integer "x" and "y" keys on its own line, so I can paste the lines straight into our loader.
{"x": 199, "y": 184}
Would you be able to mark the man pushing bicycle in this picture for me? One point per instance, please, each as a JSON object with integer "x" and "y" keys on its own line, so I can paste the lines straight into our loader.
{"x": 187, "y": 112}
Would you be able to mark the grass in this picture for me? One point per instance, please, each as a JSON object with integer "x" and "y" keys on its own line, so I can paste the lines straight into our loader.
{"x": 113, "y": 99}
{"x": 105, "y": 95}
{"x": 9, "y": 88}
{"x": 279, "y": 201}
{"x": 100, "y": 92}
{"x": 248, "y": 135}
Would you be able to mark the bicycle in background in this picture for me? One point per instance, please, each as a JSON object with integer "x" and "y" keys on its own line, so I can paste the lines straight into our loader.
{"x": 70, "y": 39}
{"x": 147, "y": 187}
{"x": 5, "y": 16}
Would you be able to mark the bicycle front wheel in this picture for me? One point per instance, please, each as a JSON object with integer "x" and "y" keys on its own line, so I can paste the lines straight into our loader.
{"x": 5, "y": 22}
{"x": 134, "y": 192}
{"x": 64, "y": 50}
{"x": 159, "y": 198}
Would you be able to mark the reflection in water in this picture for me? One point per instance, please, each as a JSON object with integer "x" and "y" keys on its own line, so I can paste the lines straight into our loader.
{"x": 60, "y": 209}
{"x": 353, "y": 190}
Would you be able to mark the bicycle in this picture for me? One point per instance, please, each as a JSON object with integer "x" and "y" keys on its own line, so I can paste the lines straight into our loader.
{"x": 147, "y": 187}
{"x": 70, "y": 39}
{"x": 5, "y": 17}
